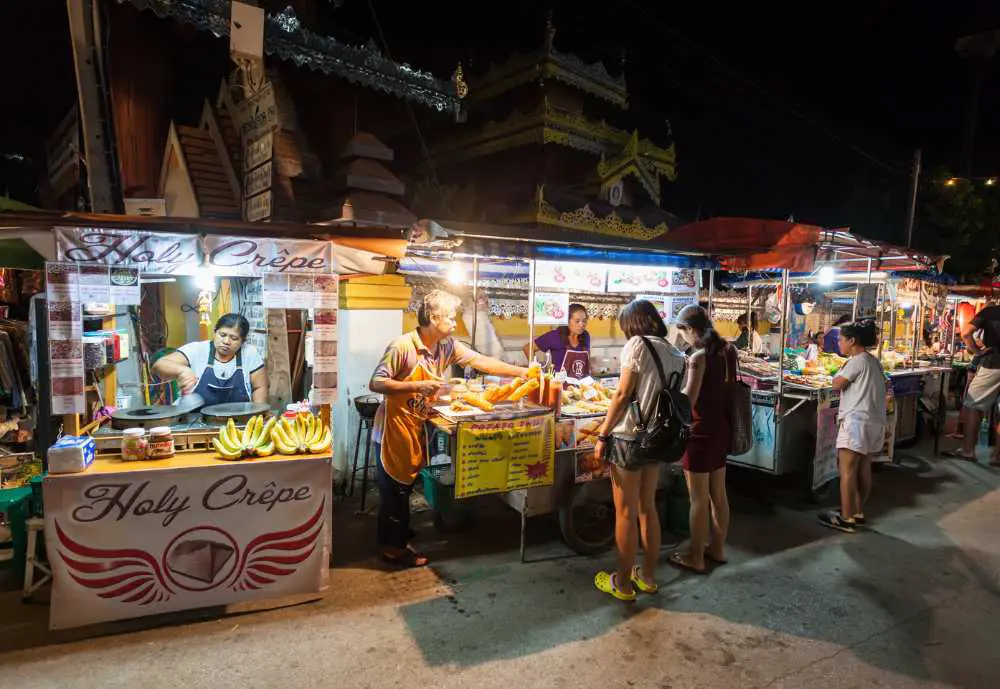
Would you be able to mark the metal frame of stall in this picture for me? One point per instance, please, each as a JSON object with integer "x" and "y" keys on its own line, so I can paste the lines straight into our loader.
{"x": 521, "y": 500}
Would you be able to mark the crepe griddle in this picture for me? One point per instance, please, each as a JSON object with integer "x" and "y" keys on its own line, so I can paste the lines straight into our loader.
{"x": 239, "y": 412}
{"x": 146, "y": 417}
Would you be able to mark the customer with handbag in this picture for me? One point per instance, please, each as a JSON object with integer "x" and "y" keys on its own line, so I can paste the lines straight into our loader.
{"x": 710, "y": 388}
{"x": 646, "y": 419}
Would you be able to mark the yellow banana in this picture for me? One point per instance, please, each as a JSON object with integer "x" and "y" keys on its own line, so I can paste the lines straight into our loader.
{"x": 265, "y": 434}
{"x": 281, "y": 440}
{"x": 324, "y": 443}
{"x": 234, "y": 433}
{"x": 226, "y": 439}
{"x": 265, "y": 450}
{"x": 316, "y": 432}
{"x": 228, "y": 454}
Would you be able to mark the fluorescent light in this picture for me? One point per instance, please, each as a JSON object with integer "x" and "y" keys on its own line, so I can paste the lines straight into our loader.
{"x": 826, "y": 275}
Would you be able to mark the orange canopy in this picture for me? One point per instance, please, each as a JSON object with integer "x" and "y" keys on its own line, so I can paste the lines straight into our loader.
{"x": 750, "y": 243}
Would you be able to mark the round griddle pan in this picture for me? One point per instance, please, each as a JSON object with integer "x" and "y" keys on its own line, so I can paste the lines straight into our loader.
{"x": 239, "y": 412}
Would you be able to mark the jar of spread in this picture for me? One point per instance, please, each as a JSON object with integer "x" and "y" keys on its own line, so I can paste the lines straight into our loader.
{"x": 134, "y": 444}
{"x": 161, "y": 443}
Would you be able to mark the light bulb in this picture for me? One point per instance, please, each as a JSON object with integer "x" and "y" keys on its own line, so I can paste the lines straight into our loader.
{"x": 204, "y": 279}
{"x": 456, "y": 273}
{"x": 826, "y": 275}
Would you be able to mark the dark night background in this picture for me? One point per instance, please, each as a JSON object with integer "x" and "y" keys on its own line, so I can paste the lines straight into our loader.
{"x": 777, "y": 109}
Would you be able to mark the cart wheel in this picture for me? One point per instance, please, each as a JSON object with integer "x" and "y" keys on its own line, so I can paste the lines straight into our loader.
{"x": 587, "y": 525}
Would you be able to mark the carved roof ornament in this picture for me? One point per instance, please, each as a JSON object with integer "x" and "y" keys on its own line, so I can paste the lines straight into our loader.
{"x": 286, "y": 38}
{"x": 584, "y": 219}
{"x": 549, "y": 63}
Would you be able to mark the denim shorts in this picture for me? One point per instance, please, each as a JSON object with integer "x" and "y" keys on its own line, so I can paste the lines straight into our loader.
{"x": 622, "y": 453}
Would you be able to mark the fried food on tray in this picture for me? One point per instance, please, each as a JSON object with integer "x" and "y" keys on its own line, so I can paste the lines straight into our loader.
{"x": 524, "y": 390}
{"x": 505, "y": 391}
{"x": 459, "y": 405}
{"x": 478, "y": 401}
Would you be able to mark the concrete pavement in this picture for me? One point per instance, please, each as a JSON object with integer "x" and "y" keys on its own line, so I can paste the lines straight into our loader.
{"x": 915, "y": 602}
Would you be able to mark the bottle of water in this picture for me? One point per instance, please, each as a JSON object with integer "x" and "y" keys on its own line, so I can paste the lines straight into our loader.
{"x": 984, "y": 432}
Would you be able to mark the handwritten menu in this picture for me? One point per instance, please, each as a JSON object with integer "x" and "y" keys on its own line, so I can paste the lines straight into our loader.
{"x": 499, "y": 456}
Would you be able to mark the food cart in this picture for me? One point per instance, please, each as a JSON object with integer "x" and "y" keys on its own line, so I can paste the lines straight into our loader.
{"x": 529, "y": 284}
{"x": 198, "y": 523}
{"x": 794, "y": 405}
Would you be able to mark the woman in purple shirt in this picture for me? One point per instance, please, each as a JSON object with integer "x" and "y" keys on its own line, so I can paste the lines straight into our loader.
{"x": 569, "y": 344}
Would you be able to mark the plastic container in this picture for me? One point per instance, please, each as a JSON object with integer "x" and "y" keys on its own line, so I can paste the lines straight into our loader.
{"x": 135, "y": 446}
{"x": 161, "y": 443}
{"x": 292, "y": 410}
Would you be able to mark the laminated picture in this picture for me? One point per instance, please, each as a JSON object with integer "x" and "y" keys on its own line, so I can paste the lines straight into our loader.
{"x": 325, "y": 348}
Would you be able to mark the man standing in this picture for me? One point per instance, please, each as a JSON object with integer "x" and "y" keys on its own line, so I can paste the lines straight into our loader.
{"x": 410, "y": 374}
{"x": 985, "y": 387}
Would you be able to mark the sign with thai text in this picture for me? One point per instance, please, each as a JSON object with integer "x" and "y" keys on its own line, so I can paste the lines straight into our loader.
{"x": 134, "y": 543}
{"x": 504, "y": 455}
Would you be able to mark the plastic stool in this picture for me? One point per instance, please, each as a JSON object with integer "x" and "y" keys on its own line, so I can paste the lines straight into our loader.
{"x": 36, "y": 525}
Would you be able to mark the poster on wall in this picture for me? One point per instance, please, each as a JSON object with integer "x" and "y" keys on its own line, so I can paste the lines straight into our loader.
{"x": 643, "y": 279}
{"x": 95, "y": 284}
{"x": 125, "y": 289}
{"x": 661, "y": 303}
{"x": 65, "y": 320}
{"x": 572, "y": 277}
{"x": 324, "y": 386}
{"x": 866, "y": 305}
{"x": 551, "y": 308}
{"x": 122, "y": 547}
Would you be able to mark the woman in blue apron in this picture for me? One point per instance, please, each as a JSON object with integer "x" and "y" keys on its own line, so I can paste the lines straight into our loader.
{"x": 569, "y": 344}
{"x": 221, "y": 370}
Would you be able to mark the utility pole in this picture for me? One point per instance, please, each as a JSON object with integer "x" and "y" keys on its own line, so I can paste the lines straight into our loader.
{"x": 911, "y": 212}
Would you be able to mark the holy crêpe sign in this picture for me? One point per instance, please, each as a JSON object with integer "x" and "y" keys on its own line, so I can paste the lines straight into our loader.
{"x": 161, "y": 253}
{"x": 138, "y": 543}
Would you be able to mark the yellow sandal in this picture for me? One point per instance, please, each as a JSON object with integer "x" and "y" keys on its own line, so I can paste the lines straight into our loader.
{"x": 639, "y": 583}
{"x": 605, "y": 582}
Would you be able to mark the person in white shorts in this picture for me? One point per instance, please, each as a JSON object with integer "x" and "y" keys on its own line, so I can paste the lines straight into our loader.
{"x": 861, "y": 383}
{"x": 984, "y": 390}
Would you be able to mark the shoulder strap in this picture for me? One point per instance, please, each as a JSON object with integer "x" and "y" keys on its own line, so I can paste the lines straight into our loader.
{"x": 656, "y": 360}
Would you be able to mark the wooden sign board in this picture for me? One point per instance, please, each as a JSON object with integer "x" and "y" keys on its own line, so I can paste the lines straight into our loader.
{"x": 257, "y": 114}
{"x": 258, "y": 151}
{"x": 257, "y": 180}
{"x": 257, "y": 207}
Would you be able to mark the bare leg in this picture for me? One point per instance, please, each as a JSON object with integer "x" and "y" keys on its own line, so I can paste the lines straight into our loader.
{"x": 720, "y": 514}
{"x": 649, "y": 521}
{"x": 698, "y": 492}
{"x": 973, "y": 419}
{"x": 864, "y": 483}
{"x": 848, "y": 482}
{"x": 626, "y": 493}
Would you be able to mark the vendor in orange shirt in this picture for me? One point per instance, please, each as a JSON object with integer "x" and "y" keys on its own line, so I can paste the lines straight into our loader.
{"x": 412, "y": 370}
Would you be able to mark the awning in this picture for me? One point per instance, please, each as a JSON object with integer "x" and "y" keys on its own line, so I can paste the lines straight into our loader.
{"x": 749, "y": 243}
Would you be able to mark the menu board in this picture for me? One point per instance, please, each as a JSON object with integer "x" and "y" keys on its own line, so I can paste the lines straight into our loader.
{"x": 572, "y": 277}
{"x": 641, "y": 279}
{"x": 504, "y": 455}
{"x": 551, "y": 308}
{"x": 65, "y": 319}
{"x": 825, "y": 466}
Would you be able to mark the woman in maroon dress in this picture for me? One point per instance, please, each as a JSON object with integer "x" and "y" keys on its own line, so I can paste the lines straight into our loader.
{"x": 712, "y": 368}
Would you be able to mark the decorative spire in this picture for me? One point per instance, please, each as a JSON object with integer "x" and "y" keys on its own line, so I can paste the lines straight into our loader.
{"x": 461, "y": 86}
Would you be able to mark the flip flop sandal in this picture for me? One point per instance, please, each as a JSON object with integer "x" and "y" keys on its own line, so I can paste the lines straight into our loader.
{"x": 957, "y": 454}
{"x": 639, "y": 583}
{"x": 605, "y": 583}
{"x": 408, "y": 558}
{"x": 679, "y": 559}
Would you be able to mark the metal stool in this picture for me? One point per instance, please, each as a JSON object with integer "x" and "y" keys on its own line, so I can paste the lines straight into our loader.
{"x": 367, "y": 406}
{"x": 36, "y": 525}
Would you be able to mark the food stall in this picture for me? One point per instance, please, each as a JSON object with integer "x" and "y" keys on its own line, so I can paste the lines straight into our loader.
{"x": 806, "y": 275}
{"x": 508, "y": 301}
{"x": 157, "y": 501}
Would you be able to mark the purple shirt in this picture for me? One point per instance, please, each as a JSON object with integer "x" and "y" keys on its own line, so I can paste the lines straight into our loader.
{"x": 553, "y": 342}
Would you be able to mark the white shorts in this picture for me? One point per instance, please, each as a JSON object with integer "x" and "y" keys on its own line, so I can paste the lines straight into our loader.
{"x": 984, "y": 389}
{"x": 862, "y": 435}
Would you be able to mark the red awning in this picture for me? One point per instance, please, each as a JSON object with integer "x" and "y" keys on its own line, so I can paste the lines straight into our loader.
{"x": 750, "y": 243}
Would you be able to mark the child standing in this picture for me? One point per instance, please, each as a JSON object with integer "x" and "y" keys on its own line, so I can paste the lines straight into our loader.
{"x": 862, "y": 423}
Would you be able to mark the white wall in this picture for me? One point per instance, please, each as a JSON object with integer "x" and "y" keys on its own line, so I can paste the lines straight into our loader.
{"x": 362, "y": 339}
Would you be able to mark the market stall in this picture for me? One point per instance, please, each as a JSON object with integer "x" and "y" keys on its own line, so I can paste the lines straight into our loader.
{"x": 511, "y": 301}
{"x": 186, "y": 479}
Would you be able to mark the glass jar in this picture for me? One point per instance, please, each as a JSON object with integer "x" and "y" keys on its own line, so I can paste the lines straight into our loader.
{"x": 134, "y": 445}
{"x": 161, "y": 443}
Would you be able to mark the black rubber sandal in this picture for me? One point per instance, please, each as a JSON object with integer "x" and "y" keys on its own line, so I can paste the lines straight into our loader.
{"x": 408, "y": 558}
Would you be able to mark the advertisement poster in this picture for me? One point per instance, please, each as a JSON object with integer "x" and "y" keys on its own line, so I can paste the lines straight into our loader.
{"x": 274, "y": 291}
{"x": 125, "y": 289}
{"x": 65, "y": 321}
{"x": 643, "y": 279}
{"x": 95, "y": 284}
{"x": 867, "y": 302}
{"x": 825, "y": 466}
{"x": 135, "y": 544}
{"x": 325, "y": 356}
{"x": 551, "y": 308}
{"x": 326, "y": 291}
{"x": 661, "y": 303}
{"x": 500, "y": 456}
{"x": 571, "y": 277}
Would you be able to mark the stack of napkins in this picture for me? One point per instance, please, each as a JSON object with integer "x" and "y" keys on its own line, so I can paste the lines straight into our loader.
{"x": 71, "y": 454}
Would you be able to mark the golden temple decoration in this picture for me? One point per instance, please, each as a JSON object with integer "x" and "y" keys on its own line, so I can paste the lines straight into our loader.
{"x": 461, "y": 86}
{"x": 586, "y": 220}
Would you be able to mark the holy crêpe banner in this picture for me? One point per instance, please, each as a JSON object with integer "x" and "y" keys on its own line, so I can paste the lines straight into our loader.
{"x": 144, "y": 542}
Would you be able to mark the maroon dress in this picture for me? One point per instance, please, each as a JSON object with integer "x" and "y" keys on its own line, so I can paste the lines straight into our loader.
{"x": 711, "y": 431}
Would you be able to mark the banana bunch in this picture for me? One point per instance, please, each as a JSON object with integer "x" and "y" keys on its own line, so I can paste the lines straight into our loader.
{"x": 306, "y": 433}
{"x": 253, "y": 441}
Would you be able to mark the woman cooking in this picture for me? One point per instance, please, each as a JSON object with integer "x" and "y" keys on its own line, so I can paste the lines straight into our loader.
{"x": 569, "y": 344}
{"x": 222, "y": 369}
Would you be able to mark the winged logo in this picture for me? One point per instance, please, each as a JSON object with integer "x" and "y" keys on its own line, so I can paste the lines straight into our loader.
{"x": 135, "y": 576}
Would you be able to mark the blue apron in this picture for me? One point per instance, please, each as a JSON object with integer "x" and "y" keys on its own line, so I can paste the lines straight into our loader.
{"x": 215, "y": 390}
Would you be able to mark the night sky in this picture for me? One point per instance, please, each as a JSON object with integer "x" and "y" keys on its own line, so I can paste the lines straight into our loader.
{"x": 777, "y": 109}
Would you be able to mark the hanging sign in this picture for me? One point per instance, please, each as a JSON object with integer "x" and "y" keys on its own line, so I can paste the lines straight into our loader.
{"x": 249, "y": 256}
{"x": 866, "y": 304}
{"x": 572, "y": 277}
{"x": 258, "y": 151}
{"x": 257, "y": 180}
{"x": 156, "y": 253}
{"x": 500, "y": 456}
{"x": 126, "y": 544}
{"x": 644, "y": 279}
{"x": 257, "y": 114}
{"x": 551, "y": 308}
{"x": 257, "y": 208}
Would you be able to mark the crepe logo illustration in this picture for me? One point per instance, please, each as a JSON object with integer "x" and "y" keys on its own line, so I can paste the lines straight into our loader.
{"x": 202, "y": 558}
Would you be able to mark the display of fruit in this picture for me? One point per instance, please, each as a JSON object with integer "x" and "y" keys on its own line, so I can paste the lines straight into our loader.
{"x": 253, "y": 441}
{"x": 305, "y": 433}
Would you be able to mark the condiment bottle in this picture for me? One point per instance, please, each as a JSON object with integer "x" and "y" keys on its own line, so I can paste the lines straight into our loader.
{"x": 161, "y": 443}
{"x": 134, "y": 444}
